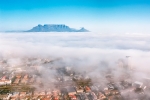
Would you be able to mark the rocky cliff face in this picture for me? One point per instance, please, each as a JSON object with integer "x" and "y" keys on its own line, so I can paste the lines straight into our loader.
{"x": 55, "y": 28}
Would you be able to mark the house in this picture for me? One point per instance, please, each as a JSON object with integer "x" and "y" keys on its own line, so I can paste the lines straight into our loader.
{"x": 22, "y": 94}
{"x": 25, "y": 79}
{"x": 87, "y": 89}
{"x": 83, "y": 96}
{"x": 114, "y": 92}
{"x": 14, "y": 96}
{"x": 94, "y": 88}
{"x": 17, "y": 80}
{"x": 73, "y": 97}
{"x": 107, "y": 92}
{"x": 79, "y": 89}
{"x": 71, "y": 90}
{"x": 42, "y": 93}
{"x": 35, "y": 95}
{"x": 112, "y": 97}
{"x": 26, "y": 76}
{"x": 4, "y": 81}
{"x": 48, "y": 95}
{"x": 5, "y": 97}
{"x": 110, "y": 86}
{"x": 18, "y": 76}
{"x": 31, "y": 80}
{"x": 137, "y": 84}
{"x": 55, "y": 93}
{"x": 55, "y": 98}
{"x": 101, "y": 96}
{"x": 93, "y": 96}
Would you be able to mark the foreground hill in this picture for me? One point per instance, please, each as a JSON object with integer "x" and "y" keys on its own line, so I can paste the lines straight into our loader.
{"x": 55, "y": 28}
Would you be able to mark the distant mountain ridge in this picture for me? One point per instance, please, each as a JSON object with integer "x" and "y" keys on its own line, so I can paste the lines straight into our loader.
{"x": 55, "y": 28}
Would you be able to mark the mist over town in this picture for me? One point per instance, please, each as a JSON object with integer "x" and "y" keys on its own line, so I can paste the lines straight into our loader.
{"x": 82, "y": 66}
{"x": 74, "y": 50}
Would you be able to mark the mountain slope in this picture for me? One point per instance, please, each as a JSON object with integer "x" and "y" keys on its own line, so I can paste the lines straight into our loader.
{"x": 55, "y": 28}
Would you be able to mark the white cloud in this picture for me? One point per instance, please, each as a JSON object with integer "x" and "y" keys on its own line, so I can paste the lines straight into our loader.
{"x": 81, "y": 45}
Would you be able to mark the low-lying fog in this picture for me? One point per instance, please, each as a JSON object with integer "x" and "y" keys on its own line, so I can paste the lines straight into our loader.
{"x": 90, "y": 47}
{"x": 92, "y": 53}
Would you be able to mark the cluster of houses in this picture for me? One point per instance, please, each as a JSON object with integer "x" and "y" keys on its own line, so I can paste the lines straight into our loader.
{"x": 30, "y": 96}
{"x": 23, "y": 79}
{"x": 17, "y": 78}
{"x": 5, "y": 81}
{"x": 111, "y": 91}
{"x": 120, "y": 90}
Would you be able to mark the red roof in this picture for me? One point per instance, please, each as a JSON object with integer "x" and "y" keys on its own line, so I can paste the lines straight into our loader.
{"x": 87, "y": 88}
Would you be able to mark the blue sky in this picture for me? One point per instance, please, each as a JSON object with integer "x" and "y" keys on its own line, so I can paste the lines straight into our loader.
{"x": 105, "y": 16}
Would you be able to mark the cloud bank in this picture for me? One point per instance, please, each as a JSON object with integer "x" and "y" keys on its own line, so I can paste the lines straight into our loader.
{"x": 91, "y": 46}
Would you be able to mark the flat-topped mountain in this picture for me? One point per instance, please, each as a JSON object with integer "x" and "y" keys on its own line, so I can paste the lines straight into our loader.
{"x": 55, "y": 28}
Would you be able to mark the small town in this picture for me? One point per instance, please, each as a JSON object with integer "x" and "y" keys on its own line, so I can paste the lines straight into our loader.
{"x": 74, "y": 49}
{"x": 29, "y": 83}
